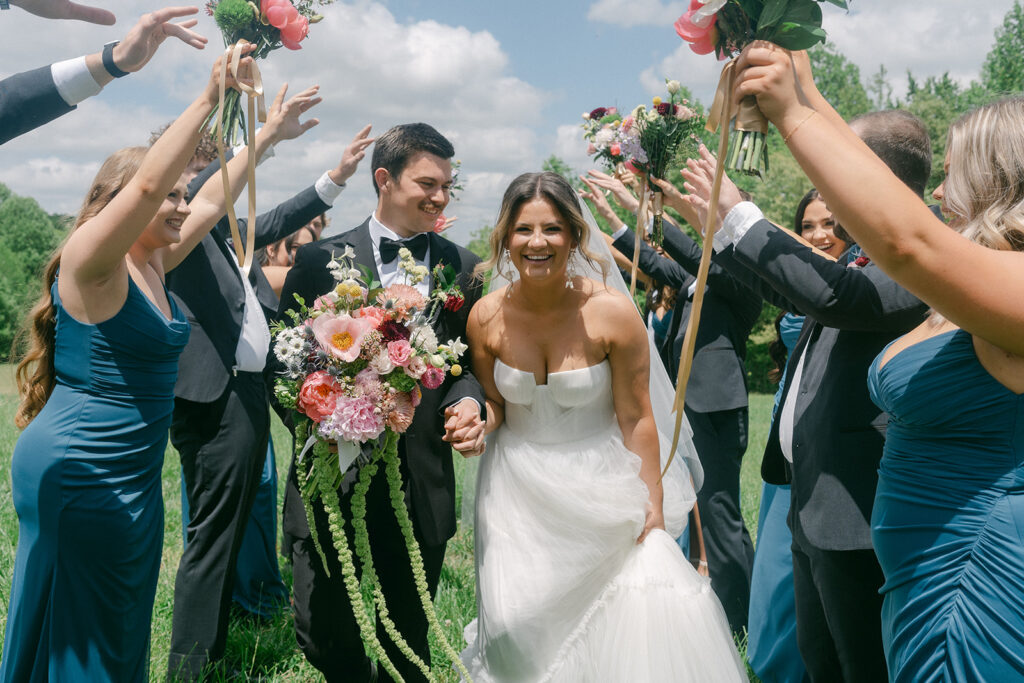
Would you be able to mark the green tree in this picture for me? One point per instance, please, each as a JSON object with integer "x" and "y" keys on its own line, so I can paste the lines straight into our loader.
{"x": 479, "y": 242}
{"x": 1003, "y": 71}
{"x": 839, "y": 81}
{"x": 557, "y": 165}
{"x": 880, "y": 90}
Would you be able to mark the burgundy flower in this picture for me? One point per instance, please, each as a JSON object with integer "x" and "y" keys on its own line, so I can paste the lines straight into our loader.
{"x": 666, "y": 109}
{"x": 454, "y": 302}
{"x": 861, "y": 261}
{"x": 598, "y": 113}
{"x": 393, "y": 331}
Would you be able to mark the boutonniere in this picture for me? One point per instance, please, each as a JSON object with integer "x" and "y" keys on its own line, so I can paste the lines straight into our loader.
{"x": 859, "y": 262}
{"x": 446, "y": 291}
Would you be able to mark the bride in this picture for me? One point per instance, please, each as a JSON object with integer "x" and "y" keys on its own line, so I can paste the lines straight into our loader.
{"x": 578, "y": 576}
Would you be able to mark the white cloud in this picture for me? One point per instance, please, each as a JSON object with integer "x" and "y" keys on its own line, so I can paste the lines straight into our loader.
{"x": 636, "y": 12}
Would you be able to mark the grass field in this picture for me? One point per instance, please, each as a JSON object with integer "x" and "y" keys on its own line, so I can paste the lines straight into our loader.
{"x": 267, "y": 650}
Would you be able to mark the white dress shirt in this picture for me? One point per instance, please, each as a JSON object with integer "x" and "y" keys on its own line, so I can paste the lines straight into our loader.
{"x": 73, "y": 80}
{"x": 389, "y": 272}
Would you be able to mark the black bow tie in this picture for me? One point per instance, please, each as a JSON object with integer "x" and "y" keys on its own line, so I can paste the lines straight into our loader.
{"x": 417, "y": 245}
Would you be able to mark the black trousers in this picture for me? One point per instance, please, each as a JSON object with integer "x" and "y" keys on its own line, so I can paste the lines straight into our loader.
{"x": 325, "y": 627}
{"x": 838, "y": 612}
{"x": 222, "y": 447}
{"x": 721, "y": 440}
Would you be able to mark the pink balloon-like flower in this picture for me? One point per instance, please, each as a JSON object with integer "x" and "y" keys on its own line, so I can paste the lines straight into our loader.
{"x": 279, "y": 14}
{"x": 690, "y": 31}
{"x": 340, "y": 335}
{"x": 706, "y": 45}
{"x": 297, "y": 28}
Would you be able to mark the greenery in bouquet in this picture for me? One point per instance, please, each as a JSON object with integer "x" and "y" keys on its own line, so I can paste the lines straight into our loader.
{"x": 725, "y": 27}
{"x": 269, "y": 25}
{"x": 352, "y": 368}
{"x": 603, "y": 130}
{"x": 652, "y": 139}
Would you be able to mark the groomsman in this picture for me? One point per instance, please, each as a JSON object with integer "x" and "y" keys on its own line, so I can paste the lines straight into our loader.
{"x": 412, "y": 175}
{"x": 829, "y": 435}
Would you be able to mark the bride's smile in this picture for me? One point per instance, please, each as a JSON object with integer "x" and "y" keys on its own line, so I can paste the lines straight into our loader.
{"x": 540, "y": 243}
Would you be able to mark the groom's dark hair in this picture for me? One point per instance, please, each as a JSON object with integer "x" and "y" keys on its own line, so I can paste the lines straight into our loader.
{"x": 393, "y": 149}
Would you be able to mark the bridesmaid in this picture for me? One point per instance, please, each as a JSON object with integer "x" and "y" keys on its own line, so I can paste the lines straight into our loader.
{"x": 97, "y": 393}
{"x": 950, "y": 504}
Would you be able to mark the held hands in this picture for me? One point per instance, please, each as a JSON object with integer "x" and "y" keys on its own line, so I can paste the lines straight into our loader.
{"x": 143, "y": 40}
{"x": 464, "y": 429}
{"x": 283, "y": 118}
{"x": 350, "y": 158}
{"x": 65, "y": 9}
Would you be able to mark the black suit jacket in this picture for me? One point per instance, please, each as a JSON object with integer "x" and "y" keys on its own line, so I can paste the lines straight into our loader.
{"x": 718, "y": 380}
{"x": 427, "y": 465}
{"x": 29, "y": 100}
{"x": 838, "y": 432}
{"x": 207, "y": 286}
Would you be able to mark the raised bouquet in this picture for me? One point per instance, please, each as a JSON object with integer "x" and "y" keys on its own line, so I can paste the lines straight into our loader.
{"x": 269, "y": 25}
{"x": 353, "y": 367}
{"x": 603, "y": 130}
{"x": 652, "y": 138}
{"x": 725, "y": 27}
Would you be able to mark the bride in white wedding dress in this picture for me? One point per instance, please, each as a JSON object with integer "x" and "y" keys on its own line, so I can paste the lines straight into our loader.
{"x": 577, "y": 577}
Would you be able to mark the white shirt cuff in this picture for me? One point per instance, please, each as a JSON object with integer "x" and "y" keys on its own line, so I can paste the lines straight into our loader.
{"x": 328, "y": 189}
{"x": 73, "y": 80}
{"x": 736, "y": 224}
{"x": 620, "y": 232}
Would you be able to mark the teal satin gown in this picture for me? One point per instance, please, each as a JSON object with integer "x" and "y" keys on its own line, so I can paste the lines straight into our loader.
{"x": 87, "y": 490}
{"x": 948, "y": 520}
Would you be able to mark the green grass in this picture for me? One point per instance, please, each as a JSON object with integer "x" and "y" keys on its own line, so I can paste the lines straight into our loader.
{"x": 268, "y": 649}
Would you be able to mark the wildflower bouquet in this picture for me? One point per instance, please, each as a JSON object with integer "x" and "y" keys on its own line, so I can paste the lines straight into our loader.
{"x": 353, "y": 366}
{"x": 270, "y": 25}
{"x": 726, "y": 27}
{"x": 659, "y": 133}
{"x": 607, "y": 137}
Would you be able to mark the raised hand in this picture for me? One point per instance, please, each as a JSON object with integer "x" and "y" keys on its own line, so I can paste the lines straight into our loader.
{"x": 769, "y": 73}
{"x": 623, "y": 197}
{"x": 699, "y": 175}
{"x": 65, "y": 9}
{"x": 143, "y": 40}
{"x": 596, "y": 197}
{"x": 283, "y": 118}
{"x": 212, "y": 91}
{"x": 464, "y": 429}
{"x": 353, "y": 154}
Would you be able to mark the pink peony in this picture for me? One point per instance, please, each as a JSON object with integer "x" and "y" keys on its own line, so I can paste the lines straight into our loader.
{"x": 416, "y": 367}
{"x": 340, "y": 334}
{"x": 400, "y": 352}
{"x": 705, "y": 45}
{"x": 280, "y": 13}
{"x": 690, "y": 31}
{"x": 296, "y": 29}
{"x": 432, "y": 377}
{"x": 372, "y": 314}
{"x": 318, "y": 395}
{"x": 615, "y": 149}
{"x": 356, "y": 419}
{"x": 400, "y": 416}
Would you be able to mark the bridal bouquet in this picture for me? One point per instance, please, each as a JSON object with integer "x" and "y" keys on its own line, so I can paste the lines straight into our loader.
{"x": 353, "y": 367}
{"x": 726, "y": 27}
{"x": 270, "y": 25}
{"x": 604, "y": 131}
{"x": 659, "y": 132}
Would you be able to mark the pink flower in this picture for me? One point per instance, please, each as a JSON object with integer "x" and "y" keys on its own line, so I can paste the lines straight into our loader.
{"x": 368, "y": 383}
{"x": 356, "y": 419}
{"x": 340, "y": 334}
{"x": 401, "y": 299}
{"x": 627, "y": 123}
{"x": 615, "y": 149}
{"x": 416, "y": 395}
{"x": 591, "y": 149}
{"x": 690, "y": 31}
{"x": 432, "y": 377}
{"x": 400, "y": 417}
{"x": 400, "y": 352}
{"x": 439, "y": 223}
{"x": 296, "y": 29}
{"x": 612, "y": 111}
{"x": 318, "y": 395}
{"x": 325, "y": 302}
{"x": 706, "y": 44}
{"x": 416, "y": 367}
{"x": 279, "y": 13}
{"x": 372, "y": 314}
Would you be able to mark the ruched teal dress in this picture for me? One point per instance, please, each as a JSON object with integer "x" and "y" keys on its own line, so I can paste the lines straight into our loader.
{"x": 86, "y": 487}
{"x": 949, "y": 515}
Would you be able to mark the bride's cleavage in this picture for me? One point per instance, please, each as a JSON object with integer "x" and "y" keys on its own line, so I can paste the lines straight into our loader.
{"x": 550, "y": 373}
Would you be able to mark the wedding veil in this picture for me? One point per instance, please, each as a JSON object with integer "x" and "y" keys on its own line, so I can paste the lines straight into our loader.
{"x": 685, "y": 475}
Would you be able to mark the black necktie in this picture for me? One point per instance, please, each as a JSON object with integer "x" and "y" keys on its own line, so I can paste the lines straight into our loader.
{"x": 417, "y": 245}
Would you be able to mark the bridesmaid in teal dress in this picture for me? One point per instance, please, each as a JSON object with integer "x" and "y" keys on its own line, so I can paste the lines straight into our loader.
{"x": 97, "y": 394}
{"x": 949, "y": 515}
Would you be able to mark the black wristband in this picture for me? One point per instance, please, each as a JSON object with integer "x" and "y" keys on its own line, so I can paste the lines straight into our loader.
{"x": 108, "y": 61}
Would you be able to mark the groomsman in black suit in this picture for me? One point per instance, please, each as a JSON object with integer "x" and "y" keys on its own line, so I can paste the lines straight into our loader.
{"x": 33, "y": 98}
{"x": 221, "y": 419}
{"x": 412, "y": 175}
{"x": 716, "y": 402}
{"x": 828, "y": 437}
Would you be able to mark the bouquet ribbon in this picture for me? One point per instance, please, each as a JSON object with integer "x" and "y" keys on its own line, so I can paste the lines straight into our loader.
{"x": 722, "y": 112}
{"x": 748, "y": 116}
{"x": 244, "y": 254}
{"x": 641, "y": 224}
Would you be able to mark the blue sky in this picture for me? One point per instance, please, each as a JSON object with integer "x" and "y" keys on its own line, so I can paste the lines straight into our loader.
{"x": 507, "y": 82}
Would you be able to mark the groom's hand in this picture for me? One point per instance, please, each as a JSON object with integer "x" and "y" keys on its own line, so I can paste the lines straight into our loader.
{"x": 463, "y": 428}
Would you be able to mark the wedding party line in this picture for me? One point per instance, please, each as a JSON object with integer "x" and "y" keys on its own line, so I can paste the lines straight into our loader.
{"x": 564, "y": 409}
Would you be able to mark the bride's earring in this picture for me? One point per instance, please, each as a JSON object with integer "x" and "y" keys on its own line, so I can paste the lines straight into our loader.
{"x": 570, "y": 270}
{"x": 504, "y": 265}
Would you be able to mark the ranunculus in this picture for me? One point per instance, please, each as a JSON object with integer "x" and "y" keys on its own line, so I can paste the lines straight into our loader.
{"x": 615, "y": 149}
{"x": 432, "y": 377}
{"x": 400, "y": 352}
{"x": 393, "y": 331}
{"x": 666, "y": 109}
{"x": 340, "y": 334}
{"x": 372, "y": 314}
{"x": 416, "y": 367}
{"x": 598, "y": 114}
{"x": 279, "y": 14}
{"x": 318, "y": 396}
{"x": 400, "y": 417}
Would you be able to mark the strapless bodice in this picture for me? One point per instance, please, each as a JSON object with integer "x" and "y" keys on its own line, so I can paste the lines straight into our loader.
{"x": 573, "y": 405}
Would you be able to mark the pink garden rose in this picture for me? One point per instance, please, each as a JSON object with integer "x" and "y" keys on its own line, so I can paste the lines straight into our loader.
{"x": 340, "y": 334}
{"x": 432, "y": 377}
{"x": 400, "y": 352}
{"x": 318, "y": 396}
{"x": 416, "y": 367}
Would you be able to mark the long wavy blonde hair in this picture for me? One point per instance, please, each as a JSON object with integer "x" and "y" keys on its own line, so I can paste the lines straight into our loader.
{"x": 35, "y": 374}
{"x": 529, "y": 186}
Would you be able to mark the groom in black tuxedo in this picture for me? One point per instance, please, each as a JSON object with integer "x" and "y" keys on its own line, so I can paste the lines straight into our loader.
{"x": 412, "y": 175}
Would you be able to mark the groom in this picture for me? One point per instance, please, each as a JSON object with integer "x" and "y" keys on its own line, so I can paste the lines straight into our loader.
{"x": 412, "y": 175}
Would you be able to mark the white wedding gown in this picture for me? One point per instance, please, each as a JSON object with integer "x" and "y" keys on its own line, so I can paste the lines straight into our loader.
{"x": 564, "y": 593}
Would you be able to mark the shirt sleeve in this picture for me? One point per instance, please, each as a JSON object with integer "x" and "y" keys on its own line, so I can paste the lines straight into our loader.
{"x": 73, "y": 80}
{"x": 328, "y": 189}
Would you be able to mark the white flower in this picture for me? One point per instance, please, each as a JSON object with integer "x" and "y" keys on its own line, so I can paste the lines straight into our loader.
{"x": 437, "y": 360}
{"x": 349, "y": 252}
{"x": 353, "y": 273}
{"x": 404, "y": 253}
{"x": 423, "y": 337}
{"x": 457, "y": 347}
{"x": 381, "y": 363}
{"x": 586, "y": 116}
{"x": 673, "y": 87}
{"x": 702, "y": 17}
{"x": 604, "y": 137}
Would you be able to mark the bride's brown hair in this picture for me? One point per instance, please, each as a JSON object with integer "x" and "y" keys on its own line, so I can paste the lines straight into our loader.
{"x": 555, "y": 190}
{"x": 35, "y": 375}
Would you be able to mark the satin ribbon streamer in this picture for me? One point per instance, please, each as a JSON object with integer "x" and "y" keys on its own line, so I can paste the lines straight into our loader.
{"x": 244, "y": 254}
{"x": 641, "y": 223}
